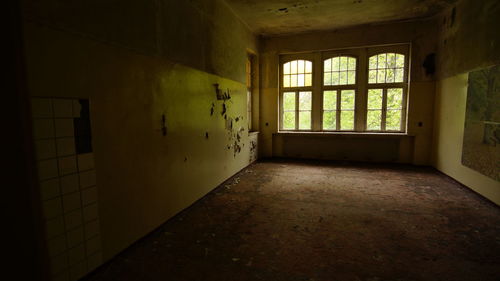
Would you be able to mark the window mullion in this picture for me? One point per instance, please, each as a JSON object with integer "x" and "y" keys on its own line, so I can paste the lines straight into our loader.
{"x": 337, "y": 113}
{"x": 384, "y": 108}
{"x": 317, "y": 93}
{"x": 297, "y": 110}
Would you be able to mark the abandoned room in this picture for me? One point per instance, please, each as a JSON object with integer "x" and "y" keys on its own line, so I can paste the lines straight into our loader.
{"x": 276, "y": 140}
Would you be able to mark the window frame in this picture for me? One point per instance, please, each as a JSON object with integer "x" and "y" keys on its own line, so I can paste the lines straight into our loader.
{"x": 361, "y": 87}
{"x": 296, "y": 90}
{"x": 352, "y": 53}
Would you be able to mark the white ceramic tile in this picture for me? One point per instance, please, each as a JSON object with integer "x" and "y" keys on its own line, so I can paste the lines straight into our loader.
{"x": 90, "y": 212}
{"x": 41, "y": 108}
{"x": 76, "y": 254}
{"x": 94, "y": 261}
{"x": 75, "y": 237}
{"x": 67, "y": 165}
{"x": 85, "y": 161}
{"x": 45, "y": 149}
{"x": 62, "y": 276}
{"x": 65, "y": 146}
{"x": 64, "y": 128}
{"x": 89, "y": 196}
{"x": 43, "y": 128}
{"x": 93, "y": 245}
{"x": 52, "y": 208}
{"x": 57, "y": 245}
{"x": 49, "y": 189}
{"x": 92, "y": 229}
{"x": 62, "y": 108}
{"x": 76, "y": 108}
{"x": 58, "y": 264}
{"x": 54, "y": 227}
{"x": 77, "y": 271}
{"x": 87, "y": 179}
{"x": 71, "y": 202}
{"x": 73, "y": 219}
{"x": 47, "y": 169}
{"x": 69, "y": 183}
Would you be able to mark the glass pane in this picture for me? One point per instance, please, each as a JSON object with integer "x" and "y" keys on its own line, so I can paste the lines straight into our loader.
{"x": 394, "y": 98}
{"x": 347, "y": 99}
{"x": 393, "y": 120}
{"x": 305, "y": 120}
{"x": 351, "y": 77}
{"x": 293, "y": 82}
{"x": 372, "y": 77}
{"x": 381, "y": 76}
{"x": 375, "y": 99}
{"x": 289, "y": 101}
{"x": 381, "y": 61}
{"x": 308, "y": 81}
{"x": 330, "y": 100}
{"x": 343, "y": 78}
{"x": 327, "y": 79}
{"x": 286, "y": 81}
{"x": 305, "y": 100}
{"x": 301, "y": 66}
{"x": 327, "y": 65}
{"x": 294, "y": 67}
{"x": 329, "y": 120}
{"x": 308, "y": 67}
{"x": 289, "y": 120}
{"x": 300, "y": 80}
{"x": 343, "y": 63}
{"x": 374, "y": 120}
{"x": 352, "y": 64}
{"x": 373, "y": 62}
{"x": 390, "y": 75}
{"x": 347, "y": 120}
{"x": 335, "y": 64}
{"x": 335, "y": 78}
{"x": 398, "y": 74}
{"x": 400, "y": 60}
{"x": 286, "y": 68}
{"x": 391, "y": 60}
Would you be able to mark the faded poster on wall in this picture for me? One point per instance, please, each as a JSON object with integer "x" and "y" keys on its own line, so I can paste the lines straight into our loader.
{"x": 481, "y": 145}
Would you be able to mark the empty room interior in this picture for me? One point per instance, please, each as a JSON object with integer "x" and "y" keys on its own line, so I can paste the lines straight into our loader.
{"x": 277, "y": 140}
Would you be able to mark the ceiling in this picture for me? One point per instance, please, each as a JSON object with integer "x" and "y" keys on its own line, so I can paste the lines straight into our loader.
{"x": 278, "y": 17}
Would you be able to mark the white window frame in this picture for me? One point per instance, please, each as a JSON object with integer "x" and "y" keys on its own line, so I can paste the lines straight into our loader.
{"x": 361, "y": 87}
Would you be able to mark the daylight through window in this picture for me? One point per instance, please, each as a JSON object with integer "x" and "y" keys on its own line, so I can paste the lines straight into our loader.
{"x": 356, "y": 90}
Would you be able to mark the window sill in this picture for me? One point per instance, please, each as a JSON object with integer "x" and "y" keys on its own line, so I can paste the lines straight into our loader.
{"x": 342, "y": 134}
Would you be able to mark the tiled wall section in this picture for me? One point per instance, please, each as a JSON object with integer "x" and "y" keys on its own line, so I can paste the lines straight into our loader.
{"x": 68, "y": 190}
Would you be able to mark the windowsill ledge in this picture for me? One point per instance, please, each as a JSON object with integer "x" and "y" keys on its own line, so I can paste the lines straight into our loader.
{"x": 342, "y": 134}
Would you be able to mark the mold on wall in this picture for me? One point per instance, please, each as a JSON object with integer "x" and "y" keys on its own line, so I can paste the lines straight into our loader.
{"x": 159, "y": 140}
{"x": 468, "y": 40}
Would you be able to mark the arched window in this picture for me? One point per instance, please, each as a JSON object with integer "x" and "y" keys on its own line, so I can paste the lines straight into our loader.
{"x": 297, "y": 73}
{"x": 339, "y": 93}
{"x": 339, "y": 71}
{"x": 386, "y": 68}
{"x": 296, "y": 98}
{"x": 386, "y": 92}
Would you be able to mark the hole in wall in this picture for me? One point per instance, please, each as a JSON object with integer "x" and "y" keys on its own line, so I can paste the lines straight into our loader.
{"x": 429, "y": 64}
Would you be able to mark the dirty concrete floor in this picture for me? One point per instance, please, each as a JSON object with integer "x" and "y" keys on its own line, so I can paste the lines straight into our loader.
{"x": 310, "y": 220}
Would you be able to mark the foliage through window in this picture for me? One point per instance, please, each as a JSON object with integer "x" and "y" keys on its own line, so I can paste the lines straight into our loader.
{"x": 343, "y": 96}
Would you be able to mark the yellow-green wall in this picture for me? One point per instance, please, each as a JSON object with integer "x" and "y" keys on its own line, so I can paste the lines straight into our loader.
{"x": 468, "y": 40}
{"x": 136, "y": 62}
